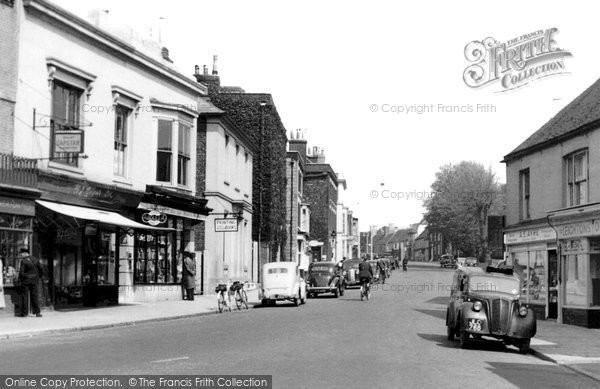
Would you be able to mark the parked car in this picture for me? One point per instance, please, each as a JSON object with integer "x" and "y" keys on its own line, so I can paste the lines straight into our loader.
{"x": 350, "y": 272}
{"x": 281, "y": 281}
{"x": 325, "y": 277}
{"x": 471, "y": 261}
{"x": 486, "y": 303}
{"x": 447, "y": 260}
{"x": 460, "y": 261}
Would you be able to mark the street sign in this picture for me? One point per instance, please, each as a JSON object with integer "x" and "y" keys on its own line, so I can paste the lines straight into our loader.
{"x": 226, "y": 225}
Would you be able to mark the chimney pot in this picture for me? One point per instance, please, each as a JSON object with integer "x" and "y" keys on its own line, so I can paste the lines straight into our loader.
{"x": 215, "y": 71}
{"x": 196, "y": 69}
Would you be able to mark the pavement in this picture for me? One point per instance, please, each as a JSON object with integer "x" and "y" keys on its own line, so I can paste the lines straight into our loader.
{"x": 65, "y": 321}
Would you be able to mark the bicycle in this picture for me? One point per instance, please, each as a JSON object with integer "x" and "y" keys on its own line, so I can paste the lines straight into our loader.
{"x": 224, "y": 298}
{"x": 365, "y": 290}
{"x": 241, "y": 298}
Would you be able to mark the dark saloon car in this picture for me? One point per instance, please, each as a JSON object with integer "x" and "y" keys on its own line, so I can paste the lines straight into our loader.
{"x": 447, "y": 260}
{"x": 486, "y": 303}
{"x": 325, "y": 277}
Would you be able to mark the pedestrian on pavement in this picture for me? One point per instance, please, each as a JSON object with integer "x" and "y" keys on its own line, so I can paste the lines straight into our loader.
{"x": 404, "y": 263}
{"x": 30, "y": 273}
{"x": 189, "y": 275}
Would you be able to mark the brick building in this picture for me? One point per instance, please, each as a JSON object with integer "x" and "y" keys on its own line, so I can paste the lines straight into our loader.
{"x": 321, "y": 194}
{"x": 9, "y": 30}
{"x": 298, "y": 211}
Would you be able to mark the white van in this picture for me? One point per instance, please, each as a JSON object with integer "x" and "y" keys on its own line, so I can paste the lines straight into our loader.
{"x": 281, "y": 281}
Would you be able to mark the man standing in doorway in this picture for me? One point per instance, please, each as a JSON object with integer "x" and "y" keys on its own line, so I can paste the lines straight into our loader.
{"x": 30, "y": 272}
{"x": 189, "y": 275}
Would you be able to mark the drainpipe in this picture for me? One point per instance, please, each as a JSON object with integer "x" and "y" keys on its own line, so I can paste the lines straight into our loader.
{"x": 559, "y": 316}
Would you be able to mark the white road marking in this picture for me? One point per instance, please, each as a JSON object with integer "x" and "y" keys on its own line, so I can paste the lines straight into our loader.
{"x": 170, "y": 360}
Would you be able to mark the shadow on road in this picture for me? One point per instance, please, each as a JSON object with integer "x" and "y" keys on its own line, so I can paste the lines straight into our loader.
{"x": 482, "y": 345}
{"x": 438, "y": 300}
{"x": 540, "y": 376}
{"x": 438, "y": 313}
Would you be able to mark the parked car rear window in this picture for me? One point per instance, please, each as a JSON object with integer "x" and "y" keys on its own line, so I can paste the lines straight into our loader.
{"x": 277, "y": 270}
{"x": 493, "y": 284}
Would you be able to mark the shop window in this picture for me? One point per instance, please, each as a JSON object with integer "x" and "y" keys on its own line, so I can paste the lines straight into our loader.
{"x": 524, "y": 194}
{"x": 66, "y": 111}
{"x": 120, "y": 148}
{"x": 576, "y": 285}
{"x": 154, "y": 263}
{"x": 15, "y": 233}
{"x": 595, "y": 278}
{"x": 576, "y": 168}
{"x": 164, "y": 154}
{"x": 183, "y": 154}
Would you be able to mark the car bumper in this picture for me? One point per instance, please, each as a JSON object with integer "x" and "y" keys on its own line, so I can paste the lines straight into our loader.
{"x": 321, "y": 289}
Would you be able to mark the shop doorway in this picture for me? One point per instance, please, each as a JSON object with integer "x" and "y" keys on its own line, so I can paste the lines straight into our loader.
{"x": 552, "y": 283}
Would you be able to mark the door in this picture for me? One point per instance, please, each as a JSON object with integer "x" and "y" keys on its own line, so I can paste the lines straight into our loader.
{"x": 552, "y": 283}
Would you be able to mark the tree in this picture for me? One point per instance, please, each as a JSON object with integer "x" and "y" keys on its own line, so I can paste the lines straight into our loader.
{"x": 463, "y": 197}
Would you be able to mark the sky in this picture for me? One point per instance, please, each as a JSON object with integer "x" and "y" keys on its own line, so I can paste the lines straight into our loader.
{"x": 336, "y": 69}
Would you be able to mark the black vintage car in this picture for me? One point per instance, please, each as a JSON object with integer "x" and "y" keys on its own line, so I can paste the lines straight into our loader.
{"x": 486, "y": 303}
{"x": 325, "y": 277}
{"x": 350, "y": 269}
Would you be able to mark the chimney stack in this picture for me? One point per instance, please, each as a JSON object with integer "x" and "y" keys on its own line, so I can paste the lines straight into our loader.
{"x": 205, "y": 70}
{"x": 165, "y": 54}
{"x": 196, "y": 70}
{"x": 215, "y": 71}
{"x": 298, "y": 144}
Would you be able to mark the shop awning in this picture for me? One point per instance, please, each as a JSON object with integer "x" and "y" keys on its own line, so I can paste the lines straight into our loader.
{"x": 98, "y": 215}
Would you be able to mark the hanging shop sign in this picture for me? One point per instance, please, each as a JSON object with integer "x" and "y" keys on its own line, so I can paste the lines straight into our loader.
{"x": 68, "y": 141}
{"x": 154, "y": 218}
{"x": 226, "y": 225}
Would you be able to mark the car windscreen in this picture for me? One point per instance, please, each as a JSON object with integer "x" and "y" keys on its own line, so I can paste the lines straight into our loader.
{"x": 493, "y": 284}
{"x": 321, "y": 269}
{"x": 277, "y": 270}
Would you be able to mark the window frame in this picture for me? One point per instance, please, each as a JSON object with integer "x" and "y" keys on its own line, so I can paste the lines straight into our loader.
{"x": 73, "y": 123}
{"x": 524, "y": 194}
{"x": 184, "y": 179}
{"x": 576, "y": 185}
{"x": 123, "y": 141}
{"x": 159, "y": 151}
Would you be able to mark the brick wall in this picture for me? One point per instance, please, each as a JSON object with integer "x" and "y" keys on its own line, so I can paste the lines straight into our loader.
{"x": 9, "y": 30}
{"x": 291, "y": 204}
{"x": 199, "y": 235}
{"x": 319, "y": 194}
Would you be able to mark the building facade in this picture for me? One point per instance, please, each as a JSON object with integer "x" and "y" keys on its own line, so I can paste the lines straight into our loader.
{"x": 227, "y": 182}
{"x": 553, "y": 195}
{"x": 321, "y": 195}
{"x": 109, "y": 227}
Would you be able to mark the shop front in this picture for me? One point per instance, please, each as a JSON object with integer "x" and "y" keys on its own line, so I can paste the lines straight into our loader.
{"x": 16, "y": 232}
{"x": 531, "y": 251}
{"x": 579, "y": 268}
{"x": 157, "y": 257}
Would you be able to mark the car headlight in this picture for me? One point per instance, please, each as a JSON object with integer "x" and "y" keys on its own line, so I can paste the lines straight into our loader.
{"x": 523, "y": 310}
{"x": 477, "y": 306}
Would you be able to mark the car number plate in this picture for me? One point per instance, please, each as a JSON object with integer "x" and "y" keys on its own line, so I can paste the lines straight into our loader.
{"x": 475, "y": 324}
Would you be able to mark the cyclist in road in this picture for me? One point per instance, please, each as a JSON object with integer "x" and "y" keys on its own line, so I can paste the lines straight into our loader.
{"x": 365, "y": 273}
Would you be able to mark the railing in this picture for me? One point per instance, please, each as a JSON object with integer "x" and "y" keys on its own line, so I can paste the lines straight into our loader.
{"x": 18, "y": 171}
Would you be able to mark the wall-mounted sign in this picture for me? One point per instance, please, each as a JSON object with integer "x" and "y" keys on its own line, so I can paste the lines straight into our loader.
{"x": 226, "y": 225}
{"x": 576, "y": 246}
{"x": 529, "y": 235}
{"x": 577, "y": 230}
{"x": 154, "y": 218}
{"x": 68, "y": 141}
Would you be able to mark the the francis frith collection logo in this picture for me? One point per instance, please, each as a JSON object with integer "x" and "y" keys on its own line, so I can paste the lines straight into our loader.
{"x": 516, "y": 62}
